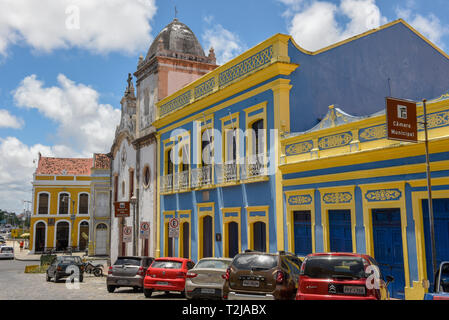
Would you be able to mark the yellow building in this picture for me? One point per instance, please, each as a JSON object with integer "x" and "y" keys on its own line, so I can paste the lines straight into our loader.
{"x": 61, "y": 204}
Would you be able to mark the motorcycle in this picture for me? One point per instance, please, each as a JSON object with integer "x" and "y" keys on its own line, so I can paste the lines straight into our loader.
{"x": 96, "y": 270}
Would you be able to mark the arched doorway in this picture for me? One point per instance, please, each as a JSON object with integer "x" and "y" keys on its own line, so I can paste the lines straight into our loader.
{"x": 101, "y": 239}
{"x": 62, "y": 235}
{"x": 233, "y": 239}
{"x": 83, "y": 235}
{"x": 260, "y": 236}
{"x": 39, "y": 238}
{"x": 207, "y": 237}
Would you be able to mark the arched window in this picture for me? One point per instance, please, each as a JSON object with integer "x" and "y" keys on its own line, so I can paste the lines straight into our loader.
{"x": 84, "y": 235}
{"x": 43, "y": 203}
{"x": 83, "y": 203}
{"x": 64, "y": 201}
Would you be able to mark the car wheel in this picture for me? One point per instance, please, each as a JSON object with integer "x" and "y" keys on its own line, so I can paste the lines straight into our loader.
{"x": 81, "y": 278}
{"x": 55, "y": 278}
{"x": 111, "y": 289}
{"x": 47, "y": 277}
{"x": 137, "y": 289}
{"x": 147, "y": 293}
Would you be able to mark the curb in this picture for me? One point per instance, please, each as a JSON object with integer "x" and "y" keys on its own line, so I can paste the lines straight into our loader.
{"x": 27, "y": 260}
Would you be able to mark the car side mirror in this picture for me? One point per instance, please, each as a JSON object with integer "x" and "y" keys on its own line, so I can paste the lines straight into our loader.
{"x": 389, "y": 279}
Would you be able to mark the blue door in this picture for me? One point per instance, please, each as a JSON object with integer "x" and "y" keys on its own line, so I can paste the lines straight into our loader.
{"x": 340, "y": 230}
{"x": 388, "y": 248}
{"x": 441, "y": 230}
{"x": 233, "y": 239}
{"x": 302, "y": 233}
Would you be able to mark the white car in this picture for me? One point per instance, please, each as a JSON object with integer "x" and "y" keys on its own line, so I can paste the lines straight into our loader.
{"x": 6, "y": 252}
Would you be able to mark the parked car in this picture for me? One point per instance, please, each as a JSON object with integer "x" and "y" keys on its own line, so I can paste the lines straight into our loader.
{"x": 167, "y": 274}
{"x": 256, "y": 275}
{"x": 205, "y": 280}
{"x": 341, "y": 276}
{"x": 441, "y": 284}
{"x": 6, "y": 252}
{"x": 128, "y": 272}
{"x": 59, "y": 268}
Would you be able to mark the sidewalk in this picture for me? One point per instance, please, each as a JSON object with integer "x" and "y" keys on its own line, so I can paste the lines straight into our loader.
{"x": 25, "y": 254}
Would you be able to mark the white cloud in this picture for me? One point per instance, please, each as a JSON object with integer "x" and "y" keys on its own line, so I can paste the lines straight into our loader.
{"x": 17, "y": 168}
{"x": 227, "y": 45}
{"x": 83, "y": 123}
{"x": 8, "y": 120}
{"x": 429, "y": 26}
{"x": 316, "y": 26}
{"x": 104, "y": 25}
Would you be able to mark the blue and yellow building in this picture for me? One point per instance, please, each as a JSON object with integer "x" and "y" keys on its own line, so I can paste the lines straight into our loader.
{"x": 310, "y": 177}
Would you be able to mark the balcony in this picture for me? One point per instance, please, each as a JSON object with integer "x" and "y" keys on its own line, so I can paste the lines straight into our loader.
{"x": 254, "y": 168}
{"x": 167, "y": 183}
{"x": 202, "y": 176}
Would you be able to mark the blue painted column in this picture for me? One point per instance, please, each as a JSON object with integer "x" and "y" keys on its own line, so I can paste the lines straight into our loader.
{"x": 360, "y": 234}
{"x": 319, "y": 245}
{"x": 411, "y": 236}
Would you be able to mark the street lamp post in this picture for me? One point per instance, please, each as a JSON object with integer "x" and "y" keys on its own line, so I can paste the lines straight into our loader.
{"x": 133, "y": 201}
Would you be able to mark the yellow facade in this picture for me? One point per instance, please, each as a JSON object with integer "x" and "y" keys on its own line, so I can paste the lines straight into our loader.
{"x": 51, "y": 185}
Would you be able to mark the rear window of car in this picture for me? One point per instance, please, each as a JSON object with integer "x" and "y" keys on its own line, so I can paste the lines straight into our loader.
{"x": 165, "y": 264}
{"x": 255, "y": 262}
{"x": 213, "y": 264}
{"x": 70, "y": 259}
{"x": 7, "y": 250}
{"x": 328, "y": 267}
{"x": 127, "y": 261}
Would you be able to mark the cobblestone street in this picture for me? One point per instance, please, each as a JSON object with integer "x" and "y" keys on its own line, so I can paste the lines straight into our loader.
{"x": 17, "y": 285}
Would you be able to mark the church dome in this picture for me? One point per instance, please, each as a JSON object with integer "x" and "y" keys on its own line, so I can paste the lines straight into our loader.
{"x": 176, "y": 37}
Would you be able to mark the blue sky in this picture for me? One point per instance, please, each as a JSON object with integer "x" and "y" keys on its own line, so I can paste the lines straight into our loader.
{"x": 61, "y": 84}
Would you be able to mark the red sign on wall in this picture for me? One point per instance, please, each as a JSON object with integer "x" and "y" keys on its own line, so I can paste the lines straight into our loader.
{"x": 121, "y": 209}
{"x": 401, "y": 120}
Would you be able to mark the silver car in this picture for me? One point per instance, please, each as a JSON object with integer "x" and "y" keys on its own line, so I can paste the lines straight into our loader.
{"x": 128, "y": 272}
{"x": 205, "y": 280}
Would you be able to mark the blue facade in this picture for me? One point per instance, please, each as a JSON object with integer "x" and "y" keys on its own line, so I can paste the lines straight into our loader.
{"x": 356, "y": 75}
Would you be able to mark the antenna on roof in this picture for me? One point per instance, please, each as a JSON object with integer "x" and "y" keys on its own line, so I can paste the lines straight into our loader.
{"x": 176, "y": 13}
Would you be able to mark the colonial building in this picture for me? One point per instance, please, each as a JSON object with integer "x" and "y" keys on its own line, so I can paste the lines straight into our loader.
{"x": 174, "y": 59}
{"x": 100, "y": 219}
{"x": 239, "y": 168}
{"x": 63, "y": 204}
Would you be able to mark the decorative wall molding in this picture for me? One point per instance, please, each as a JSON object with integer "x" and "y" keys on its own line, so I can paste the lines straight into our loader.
{"x": 373, "y": 133}
{"x": 337, "y": 197}
{"x": 204, "y": 88}
{"x": 299, "y": 200}
{"x": 299, "y": 148}
{"x": 176, "y": 103}
{"x": 383, "y": 195}
{"x": 335, "y": 141}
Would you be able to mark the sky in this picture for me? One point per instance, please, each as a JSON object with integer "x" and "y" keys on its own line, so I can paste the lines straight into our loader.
{"x": 64, "y": 63}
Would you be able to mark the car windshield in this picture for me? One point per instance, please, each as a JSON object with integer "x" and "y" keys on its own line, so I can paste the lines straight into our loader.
{"x": 70, "y": 259}
{"x": 7, "y": 249}
{"x": 213, "y": 264}
{"x": 127, "y": 261}
{"x": 255, "y": 261}
{"x": 328, "y": 267}
{"x": 166, "y": 264}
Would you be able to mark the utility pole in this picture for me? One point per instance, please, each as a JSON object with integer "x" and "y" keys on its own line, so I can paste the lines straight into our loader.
{"x": 429, "y": 191}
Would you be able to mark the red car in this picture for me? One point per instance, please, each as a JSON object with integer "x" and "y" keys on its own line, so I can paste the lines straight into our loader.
{"x": 167, "y": 274}
{"x": 341, "y": 276}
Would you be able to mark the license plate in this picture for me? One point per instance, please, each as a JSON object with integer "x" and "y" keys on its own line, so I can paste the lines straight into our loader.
{"x": 354, "y": 290}
{"x": 208, "y": 291}
{"x": 162, "y": 283}
{"x": 122, "y": 282}
{"x": 250, "y": 283}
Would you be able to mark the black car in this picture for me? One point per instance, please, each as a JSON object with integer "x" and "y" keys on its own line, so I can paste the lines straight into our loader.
{"x": 64, "y": 266}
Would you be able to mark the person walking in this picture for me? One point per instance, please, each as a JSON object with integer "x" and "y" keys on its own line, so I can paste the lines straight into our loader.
{"x": 21, "y": 245}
